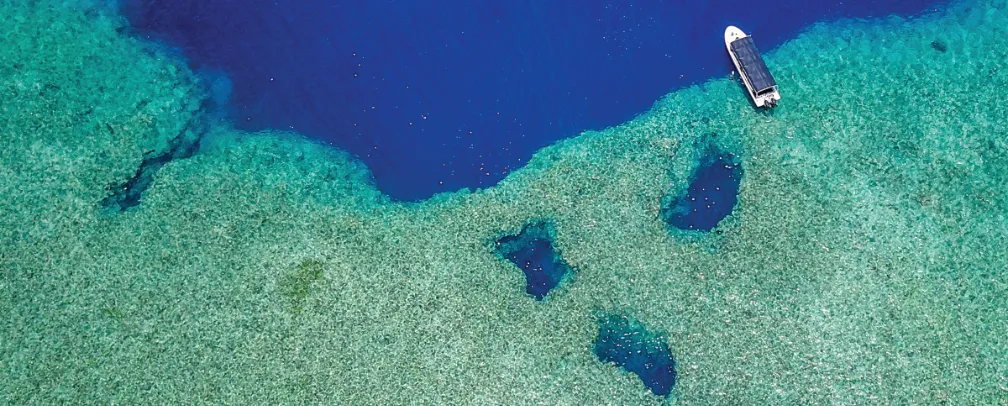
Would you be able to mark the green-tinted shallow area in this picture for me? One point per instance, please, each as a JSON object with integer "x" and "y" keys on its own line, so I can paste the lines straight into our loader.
{"x": 865, "y": 262}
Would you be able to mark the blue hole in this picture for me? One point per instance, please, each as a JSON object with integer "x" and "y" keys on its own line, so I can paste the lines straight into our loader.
{"x": 629, "y": 345}
{"x": 711, "y": 196}
{"x": 532, "y": 252}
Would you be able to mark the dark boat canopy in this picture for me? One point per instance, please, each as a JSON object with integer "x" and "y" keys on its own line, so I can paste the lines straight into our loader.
{"x": 752, "y": 64}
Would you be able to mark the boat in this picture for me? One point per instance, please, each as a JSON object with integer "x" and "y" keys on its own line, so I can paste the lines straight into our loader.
{"x": 751, "y": 68}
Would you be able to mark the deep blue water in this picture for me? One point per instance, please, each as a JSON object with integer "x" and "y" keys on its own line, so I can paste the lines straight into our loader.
{"x": 439, "y": 95}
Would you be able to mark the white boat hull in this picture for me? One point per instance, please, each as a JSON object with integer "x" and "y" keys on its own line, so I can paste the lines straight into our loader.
{"x": 766, "y": 99}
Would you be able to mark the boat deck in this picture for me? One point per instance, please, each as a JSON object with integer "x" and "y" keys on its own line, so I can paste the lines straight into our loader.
{"x": 752, "y": 65}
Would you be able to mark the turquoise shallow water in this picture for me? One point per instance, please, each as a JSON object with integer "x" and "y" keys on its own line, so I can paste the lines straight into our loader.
{"x": 864, "y": 262}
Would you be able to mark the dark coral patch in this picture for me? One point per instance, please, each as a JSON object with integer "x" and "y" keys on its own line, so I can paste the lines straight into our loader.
{"x": 127, "y": 195}
{"x": 939, "y": 45}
